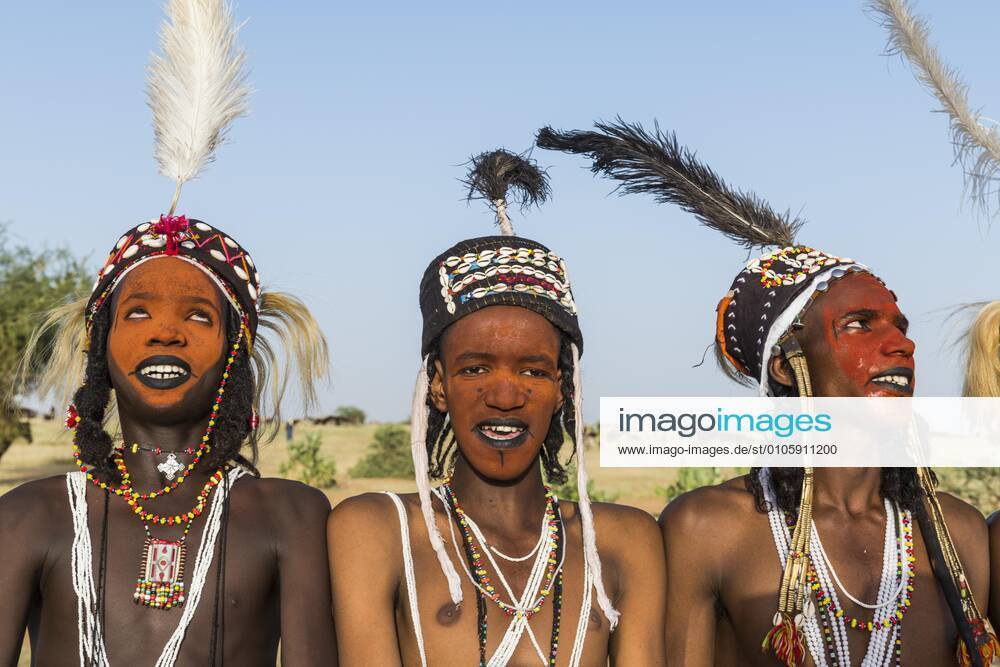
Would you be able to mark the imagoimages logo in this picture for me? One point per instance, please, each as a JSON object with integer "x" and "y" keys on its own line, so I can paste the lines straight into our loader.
{"x": 687, "y": 424}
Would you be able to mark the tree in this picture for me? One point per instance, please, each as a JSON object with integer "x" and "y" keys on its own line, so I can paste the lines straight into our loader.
{"x": 30, "y": 282}
{"x": 349, "y": 414}
{"x": 388, "y": 454}
{"x": 313, "y": 467}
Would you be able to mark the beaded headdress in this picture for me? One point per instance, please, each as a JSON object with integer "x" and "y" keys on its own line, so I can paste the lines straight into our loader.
{"x": 756, "y": 320}
{"x": 500, "y": 270}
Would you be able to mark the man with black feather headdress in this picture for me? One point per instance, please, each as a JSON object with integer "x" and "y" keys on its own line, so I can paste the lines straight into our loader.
{"x": 498, "y": 391}
{"x": 799, "y": 321}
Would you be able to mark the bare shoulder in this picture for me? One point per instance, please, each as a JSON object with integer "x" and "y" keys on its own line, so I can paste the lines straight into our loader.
{"x": 33, "y": 501}
{"x": 285, "y": 493}
{"x": 630, "y": 522}
{"x": 362, "y": 525}
{"x": 727, "y": 504}
{"x": 31, "y": 510}
{"x": 965, "y": 521}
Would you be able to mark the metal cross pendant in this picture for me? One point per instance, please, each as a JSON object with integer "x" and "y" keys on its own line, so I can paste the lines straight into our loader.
{"x": 170, "y": 467}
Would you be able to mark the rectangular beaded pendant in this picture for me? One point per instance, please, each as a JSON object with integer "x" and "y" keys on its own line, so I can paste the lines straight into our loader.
{"x": 161, "y": 575}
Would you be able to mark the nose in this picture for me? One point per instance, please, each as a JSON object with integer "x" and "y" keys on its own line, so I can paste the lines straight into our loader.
{"x": 505, "y": 393}
{"x": 167, "y": 335}
{"x": 897, "y": 344}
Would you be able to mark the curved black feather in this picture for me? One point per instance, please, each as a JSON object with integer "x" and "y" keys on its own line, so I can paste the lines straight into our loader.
{"x": 655, "y": 163}
{"x": 502, "y": 175}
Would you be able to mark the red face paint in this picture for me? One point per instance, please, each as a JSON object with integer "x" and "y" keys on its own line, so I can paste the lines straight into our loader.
{"x": 855, "y": 341}
{"x": 498, "y": 380}
{"x": 167, "y": 341}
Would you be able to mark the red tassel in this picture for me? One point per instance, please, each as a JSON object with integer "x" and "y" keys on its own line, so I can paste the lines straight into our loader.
{"x": 171, "y": 226}
{"x": 786, "y": 642}
{"x": 987, "y": 645}
{"x": 72, "y": 417}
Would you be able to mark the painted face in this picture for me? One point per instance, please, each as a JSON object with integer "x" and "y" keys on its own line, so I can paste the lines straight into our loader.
{"x": 855, "y": 341}
{"x": 167, "y": 341}
{"x": 498, "y": 380}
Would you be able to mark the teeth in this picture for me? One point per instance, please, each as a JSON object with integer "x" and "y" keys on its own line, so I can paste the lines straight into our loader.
{"x": 901, "y": 380}
{"x": 161, "y": 372}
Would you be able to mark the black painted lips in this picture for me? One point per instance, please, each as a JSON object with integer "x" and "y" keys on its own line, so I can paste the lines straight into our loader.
{"x": 163, "y": 383}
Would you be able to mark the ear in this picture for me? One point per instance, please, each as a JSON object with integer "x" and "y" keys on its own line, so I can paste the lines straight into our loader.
{"x": 780, "y": 371}
{"x": 437, "y": 387}
{"x": 562, "y": 399}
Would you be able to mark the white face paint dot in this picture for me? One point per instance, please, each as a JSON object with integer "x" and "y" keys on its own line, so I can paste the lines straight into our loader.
{"x": 217, "y": 255}
{"x": 202, "y": 227}
{"x": 130, "y": 251}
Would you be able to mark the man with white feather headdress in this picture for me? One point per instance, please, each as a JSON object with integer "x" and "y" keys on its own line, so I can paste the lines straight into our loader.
{"x": 491, "y": 567}
{"x": 166, "y": 547}
{"x": 977, "y": 150}
{"x": 797, "y": 321}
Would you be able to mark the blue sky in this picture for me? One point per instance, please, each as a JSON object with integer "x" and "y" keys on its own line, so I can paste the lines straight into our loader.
{"x": 343, "y": 181}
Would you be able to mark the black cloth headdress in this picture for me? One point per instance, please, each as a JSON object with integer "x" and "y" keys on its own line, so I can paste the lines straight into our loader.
{"x": 496, "y": 271}
{"x": 208, "y": 248}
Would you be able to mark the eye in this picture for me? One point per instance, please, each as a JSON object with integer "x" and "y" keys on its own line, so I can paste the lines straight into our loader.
{"x": 472, "y": 371}
{"x": 536, "y": 373}
{"x": 200, "y": 316}
{"x": 857, "y": 325}
{"x": 136, "y": 313}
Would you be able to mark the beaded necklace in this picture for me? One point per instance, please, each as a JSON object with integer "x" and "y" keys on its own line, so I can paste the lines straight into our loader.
{"x": 160, "y": 584}
{"x": 73, "y": 420}
{"x": 474, "y": 545}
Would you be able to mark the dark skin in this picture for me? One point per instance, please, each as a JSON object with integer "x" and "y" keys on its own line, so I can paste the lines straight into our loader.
{"x": 275, "y": 532}
{"x": 498, "y": 363}
{"x": 721, "y": 562}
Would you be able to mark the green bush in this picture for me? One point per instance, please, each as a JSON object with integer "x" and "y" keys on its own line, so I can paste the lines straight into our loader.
{"x": 388, "y": 454}
{"x": 689, "y": 479}
{"x": 350, "y": 414}
{"x": 313, "y": 468}
{"x": 570, "y": 491}
{"x": 976, "y": 486}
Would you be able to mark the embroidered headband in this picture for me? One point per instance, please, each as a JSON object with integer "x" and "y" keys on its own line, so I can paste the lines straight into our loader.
{"x": 208, "y": 248}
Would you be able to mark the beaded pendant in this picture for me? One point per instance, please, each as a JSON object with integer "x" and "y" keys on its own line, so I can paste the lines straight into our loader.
{"x": 161, "y": 574}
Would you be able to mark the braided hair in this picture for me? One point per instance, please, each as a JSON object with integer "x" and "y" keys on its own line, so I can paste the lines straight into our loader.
{"x": 441, "y": 442}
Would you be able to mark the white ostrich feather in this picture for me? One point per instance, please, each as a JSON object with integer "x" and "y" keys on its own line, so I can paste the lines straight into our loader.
{"x": 196, "y": 87}
{"x": 977, "y": 147}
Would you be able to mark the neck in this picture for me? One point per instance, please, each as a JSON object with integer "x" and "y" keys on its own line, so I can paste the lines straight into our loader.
{"x": 512, "y": 504}
{"x": 849, "y": 490}
{"x": 170, "y": 438}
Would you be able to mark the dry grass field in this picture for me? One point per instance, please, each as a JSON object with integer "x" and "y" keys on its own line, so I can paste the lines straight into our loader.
{"x": 49, "y": 454}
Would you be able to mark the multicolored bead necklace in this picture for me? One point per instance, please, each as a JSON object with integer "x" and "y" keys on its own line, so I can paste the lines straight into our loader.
{"x": 825, "y": 603}
{"x": 553, "y": 522}
{"x": 73, "y": 420}
{"x": 485, "y": 588}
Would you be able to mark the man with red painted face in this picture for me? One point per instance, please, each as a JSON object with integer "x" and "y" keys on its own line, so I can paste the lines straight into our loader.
{"x": 167, "y": 546}
{"x": 798, "y": 321}
{"x": 490, "y": 567}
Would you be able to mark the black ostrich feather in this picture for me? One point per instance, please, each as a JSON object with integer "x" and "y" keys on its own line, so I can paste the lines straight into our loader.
{"x": 657, "y": 164}
{"x": 504, "y": 176}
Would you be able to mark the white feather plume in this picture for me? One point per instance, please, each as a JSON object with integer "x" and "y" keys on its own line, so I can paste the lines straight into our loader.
{"x": 977, "y": 147}
{"x": 196, "y": 87}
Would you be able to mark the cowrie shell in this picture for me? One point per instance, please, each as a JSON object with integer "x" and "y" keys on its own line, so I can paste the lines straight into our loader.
{"x": 202, "y": 227}
{"x": 130, "y": 251}
{"x": 143, "y": 227}
{"x": 252, "y": 290}
{"x": 241, "y": 273}
{"x": 218, "y": 256}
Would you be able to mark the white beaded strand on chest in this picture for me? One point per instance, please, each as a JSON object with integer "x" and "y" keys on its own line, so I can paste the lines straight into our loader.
{"x": 95, "y": 653}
